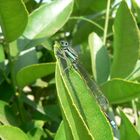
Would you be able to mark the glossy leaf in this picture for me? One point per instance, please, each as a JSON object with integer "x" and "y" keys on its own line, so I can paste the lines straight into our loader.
{"x": 52, "y": 16}
{"x": 60, "y": 135}
{"x": 2, "y": 56}
{"x": 68, "y": 128}
{"x": 26, "y": 58}
{"x": 126, "y": 42}
{"x": 127, "y": 129}
{"x": 36, "y": 134}
{"x": 6, "y": 115}
{"x": 38, "y": 109}
{"x": 99, "y": 58}
{"x": 2, "y": 67}
{"x": 84, "y": 29}
{"x": 29, "y": 74}
{"x": 136, "y": 4}
{"x": 13, "y": 18}
{"x": 84, "y": 56}
{"x": 71, "y": 113}
{"x": 88, "y": 7}
{"x": 12, "y": 133}
{"x": 6, "y": 91}
{"x": 135, "y": 75}
{"x": 120, "y": 91}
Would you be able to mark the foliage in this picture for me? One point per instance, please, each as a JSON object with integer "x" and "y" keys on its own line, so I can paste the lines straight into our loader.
{"x": 38, "y": 98}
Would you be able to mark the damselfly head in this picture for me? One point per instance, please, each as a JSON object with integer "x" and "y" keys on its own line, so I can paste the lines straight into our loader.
{"x": 64, "y": 43}
{"x": 68, "y": 51}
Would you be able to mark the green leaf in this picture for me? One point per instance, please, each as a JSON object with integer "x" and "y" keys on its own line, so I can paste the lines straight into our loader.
{"x": 138, "y": 118}
{"x": 89, "y": 7}
{"x": 135, "y": 75}
{"x": 2, "y": 66}
{"x": 6, "y": 115}
{"x": 13, "y": 18}
{"x": 80, "y": 97}
{"x": 29, "y": 74}
{"x": 2, "y": 56}
{"x": 126, "y": 43}
{"x": 127, "y": 130}
{"x": 6, "y": 91}
{"x": 12, "y": 133}
{"x": 52, "y": 16}
{"x": 53, "y": 111}
{"x": 31, "y": 5}
{"x": 26, "y": 58}
{"x": 68, "y": 127}
{"x": 38, "y": 109}
{"x": 120, "y": 91}
{"x": 136, "y": 5}
{"x": 99, "y": 58}
{"x": 84, "y": 29}
{"x": 60, "y": 134}
{"x": 71, "y": 113}
{"x": 84, "y": 56}
{"x": 36, "y": 134}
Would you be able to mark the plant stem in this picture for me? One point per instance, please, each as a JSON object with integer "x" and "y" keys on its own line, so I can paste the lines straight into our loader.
{"x": 90, "y": 21}
{"x": 135, "y": 111}
{"x": 13, "y": 82}
{"x": 7, "y": 49}
{"x": 106, "y": 22}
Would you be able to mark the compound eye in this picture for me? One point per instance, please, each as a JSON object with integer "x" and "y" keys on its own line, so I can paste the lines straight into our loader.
{"x": 64, "y": 43}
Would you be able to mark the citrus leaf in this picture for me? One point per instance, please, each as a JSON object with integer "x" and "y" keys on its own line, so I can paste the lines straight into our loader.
{"x": 52, "y": 16}
{"x": 71, "y": 114}
{"x": 99, "y": 58}
{"x": 120, "y": 91}
{"x": 36, "y": 134}
{"x": 126, "y": 128}
{"x": 60, "y": 134}
{"x": 12, "y": 133}
{"x": 126, "y": 43}
{"x": 13, "y": 18}
{"x": 6, "y": 115}
{"x": 30, "y": 73}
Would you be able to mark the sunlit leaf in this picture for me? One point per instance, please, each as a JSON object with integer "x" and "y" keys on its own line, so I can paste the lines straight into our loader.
{"x": 29, "y": 74}
{"x": 127, "y": 129}
{"x": 120, "y": 90}
{"x": 6, "y": 115}
{"x": 60, "y": 132}
{"x": 126, "y": 42}
{"x": 12, "y": 133}
{"x": 99, "y": 58}
{"x": 54, "y": 16}
{"x": 13, "y": 18}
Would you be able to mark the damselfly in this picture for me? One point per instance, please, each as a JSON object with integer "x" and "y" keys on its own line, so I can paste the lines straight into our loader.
{"x": 70, "y": 54}
{"x": 73, "y": 57}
